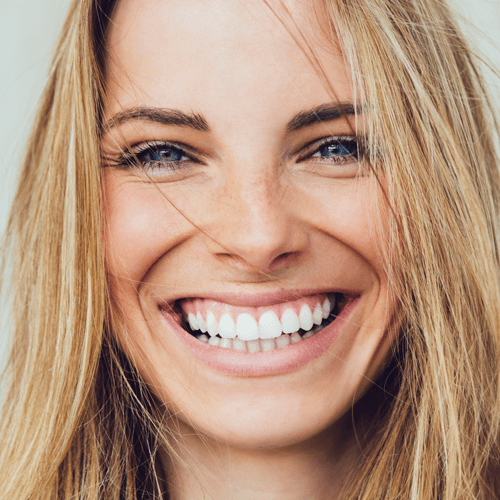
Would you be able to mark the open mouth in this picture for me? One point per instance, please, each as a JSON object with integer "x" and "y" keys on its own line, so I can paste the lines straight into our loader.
{"x": 258, "y": 329}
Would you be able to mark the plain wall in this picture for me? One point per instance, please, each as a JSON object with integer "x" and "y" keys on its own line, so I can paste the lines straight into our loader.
{"x": 28, "y": 34}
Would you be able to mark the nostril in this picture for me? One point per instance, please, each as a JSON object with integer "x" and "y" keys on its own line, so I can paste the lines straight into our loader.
{"x": 282, "y": 260}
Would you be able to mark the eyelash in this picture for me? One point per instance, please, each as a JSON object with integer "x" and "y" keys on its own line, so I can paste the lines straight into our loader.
{"x": 135, "y": 157}
{"x": 352, "y": 144}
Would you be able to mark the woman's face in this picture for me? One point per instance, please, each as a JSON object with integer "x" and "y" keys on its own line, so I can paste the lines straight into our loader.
{"x": 240, "y": 210}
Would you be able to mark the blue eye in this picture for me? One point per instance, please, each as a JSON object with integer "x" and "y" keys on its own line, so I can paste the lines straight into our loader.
{"x": 336, "y": 149}
{"x": 156, "y": 156}
{"x": 161, "y": 153}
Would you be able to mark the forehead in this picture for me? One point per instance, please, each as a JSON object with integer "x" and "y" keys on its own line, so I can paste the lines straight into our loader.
{"x": 207, "y": 55}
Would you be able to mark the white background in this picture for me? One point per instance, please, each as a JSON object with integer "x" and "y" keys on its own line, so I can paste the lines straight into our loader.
{"x": 28, "y": 34}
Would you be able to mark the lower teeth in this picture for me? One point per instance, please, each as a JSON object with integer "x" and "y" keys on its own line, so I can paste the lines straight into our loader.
{"x": 260, "y": 344}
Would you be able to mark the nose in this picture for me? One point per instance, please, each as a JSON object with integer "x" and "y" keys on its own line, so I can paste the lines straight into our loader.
{"x": 256, "y": 227}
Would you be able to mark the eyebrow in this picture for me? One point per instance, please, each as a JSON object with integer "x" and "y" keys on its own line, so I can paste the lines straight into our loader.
{"x": 322, "y": 113}
{"x": 165, "y": 116}
{"x": 158, "y": 115}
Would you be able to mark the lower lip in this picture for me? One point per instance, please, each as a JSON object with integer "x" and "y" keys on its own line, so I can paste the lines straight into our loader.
{"x": 244, "y": 364}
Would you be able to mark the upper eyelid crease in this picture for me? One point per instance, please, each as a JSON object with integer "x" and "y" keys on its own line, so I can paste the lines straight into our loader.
{"x": 146, "y": 145}
{"x": 142, "y": 146}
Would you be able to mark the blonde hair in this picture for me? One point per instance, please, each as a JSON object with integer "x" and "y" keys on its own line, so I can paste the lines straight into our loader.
{"x": 77, "y": 420}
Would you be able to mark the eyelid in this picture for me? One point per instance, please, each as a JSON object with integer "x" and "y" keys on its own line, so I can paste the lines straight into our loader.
{"x": 312, "y": 146}
{"x": 145, "y": 145}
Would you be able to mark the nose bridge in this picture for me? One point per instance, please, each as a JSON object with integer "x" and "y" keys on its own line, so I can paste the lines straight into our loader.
{"x": 258, "y": 227}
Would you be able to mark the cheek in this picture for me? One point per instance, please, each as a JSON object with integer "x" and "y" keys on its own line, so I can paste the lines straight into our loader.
{"x": 356, "y": 214}
{"x": 140, "y": 225}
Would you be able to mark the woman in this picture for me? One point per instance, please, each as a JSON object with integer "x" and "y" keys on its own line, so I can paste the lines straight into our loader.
{"x": 255, "y": 256}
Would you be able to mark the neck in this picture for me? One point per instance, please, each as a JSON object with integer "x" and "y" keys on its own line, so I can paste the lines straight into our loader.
{"x": 314, "y": 469}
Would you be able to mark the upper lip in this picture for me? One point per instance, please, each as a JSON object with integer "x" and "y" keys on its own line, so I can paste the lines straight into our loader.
{"x": 268, "y": 298}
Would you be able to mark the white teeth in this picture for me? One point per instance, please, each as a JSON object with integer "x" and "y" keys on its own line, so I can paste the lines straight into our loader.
{"x": 283, "y": 341}
{"x": 306, "y": 318}
{"x": 201, "y": 322}
{"x": 258, "y": 345}
{"x": 227, "y": 343}
{"x": 212, "y": 326}
{"x": 239, "y": 345}
{"x": 246, "y": 327}
{"x": 227, "y": 328}
{"x": 193, "y": 322}
{"x": 269, "y": 325}
{"x": 214, "y": 341}
{"x": 253, "y": 346}
{"x": 289, "y": 321}
{"x": 326, "y": 308}
{"x": 318, "y": 314}
{"x": 267, "y": 344}
{"x": 269, "y": 333}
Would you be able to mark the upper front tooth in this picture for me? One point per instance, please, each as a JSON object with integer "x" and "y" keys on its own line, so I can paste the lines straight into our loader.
{"x": 212, "y": 325}
{"x": 289, "y": 321}
{"x": 306, "y": 318}
{"x": 193, "y": 322}
{"x": 246, "y": 327}
{"x": 269, "y": 325}
{"x": 201, "y": 322}
{"x": 318, "y": 314}
{"x": 326, "y": 308}
{"x": 227, "y": 328}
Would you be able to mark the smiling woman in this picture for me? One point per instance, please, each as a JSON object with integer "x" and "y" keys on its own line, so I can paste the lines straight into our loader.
{"x": 256, "y": 256}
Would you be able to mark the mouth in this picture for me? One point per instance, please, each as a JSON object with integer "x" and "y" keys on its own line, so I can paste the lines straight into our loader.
{"x": 258, "y": 328}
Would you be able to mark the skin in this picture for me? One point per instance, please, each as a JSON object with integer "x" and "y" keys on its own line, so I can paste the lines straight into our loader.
{"x": 250, "y": 216}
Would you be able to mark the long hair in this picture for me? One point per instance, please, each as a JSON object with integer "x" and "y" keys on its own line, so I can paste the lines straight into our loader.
{"x": 78, "y": 422}
{"x": 433, "y": 121}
